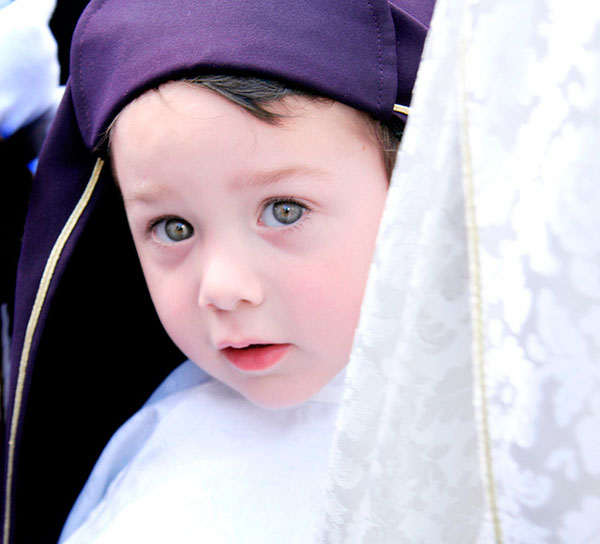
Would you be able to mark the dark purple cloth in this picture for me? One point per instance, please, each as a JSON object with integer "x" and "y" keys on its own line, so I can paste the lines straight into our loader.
{"x": 98, "y": 349}
{"x": 362, "y": 53}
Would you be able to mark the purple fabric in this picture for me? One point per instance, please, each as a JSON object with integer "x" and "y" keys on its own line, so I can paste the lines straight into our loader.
{"x": 362, "y": 53}
{"x": 49, "y": 209}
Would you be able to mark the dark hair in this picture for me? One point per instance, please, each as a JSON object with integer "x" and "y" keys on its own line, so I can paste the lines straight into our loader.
{"x": 256, "y": 94}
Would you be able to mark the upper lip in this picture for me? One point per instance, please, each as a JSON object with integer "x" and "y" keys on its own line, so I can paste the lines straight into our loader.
{"x": 239, "y": 344}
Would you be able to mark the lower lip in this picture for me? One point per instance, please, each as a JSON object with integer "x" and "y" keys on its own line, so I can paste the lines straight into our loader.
{"x": 256, "y": 359}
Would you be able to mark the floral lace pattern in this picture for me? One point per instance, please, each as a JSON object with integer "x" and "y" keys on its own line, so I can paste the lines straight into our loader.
{"x": 437, "y": 440}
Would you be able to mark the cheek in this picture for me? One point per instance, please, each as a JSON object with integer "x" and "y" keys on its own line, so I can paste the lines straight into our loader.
{"x": 173, "y": 300}
{"x": 169, "y": 308}
{"x": 180, "y": 319}
{"x": 336, "y": 288}
{"x": 326, "y": 298}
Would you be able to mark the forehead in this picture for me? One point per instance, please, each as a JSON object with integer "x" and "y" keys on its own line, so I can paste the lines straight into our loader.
{"x": 180, "y": 102}
{"x": 209, "y": 138}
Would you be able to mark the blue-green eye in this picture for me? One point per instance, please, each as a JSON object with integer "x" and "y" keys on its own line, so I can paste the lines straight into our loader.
{"x": 172, "y": 230}
{"x": 282, "y": 212}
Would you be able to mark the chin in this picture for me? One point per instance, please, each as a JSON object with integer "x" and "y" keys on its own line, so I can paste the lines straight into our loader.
{"x": 276, "y": 403}
{"x": 278, "y": 398}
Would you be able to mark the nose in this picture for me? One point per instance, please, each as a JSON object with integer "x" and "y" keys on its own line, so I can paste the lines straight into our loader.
{"x": 229, "y": 279}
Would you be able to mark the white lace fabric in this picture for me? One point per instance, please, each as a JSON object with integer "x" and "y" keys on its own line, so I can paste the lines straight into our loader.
{"x": 472, "y": 407}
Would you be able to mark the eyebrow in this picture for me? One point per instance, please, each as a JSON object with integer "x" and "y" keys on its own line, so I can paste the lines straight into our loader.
{"x": 145, "y": 196}
{"x": 271, "y": 177}
{"x": 259, "y": 179}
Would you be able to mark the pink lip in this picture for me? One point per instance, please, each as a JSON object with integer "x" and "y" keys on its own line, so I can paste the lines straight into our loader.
{"x": 255, "y": 357}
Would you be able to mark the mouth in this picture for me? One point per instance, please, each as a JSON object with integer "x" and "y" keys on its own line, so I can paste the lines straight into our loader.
{"x": 255, "y": 357}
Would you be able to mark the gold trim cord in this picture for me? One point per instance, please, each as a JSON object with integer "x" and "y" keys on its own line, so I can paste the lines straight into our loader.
{"x": 476, "y": 293}
{"x": 30, "y": 331}
{"x": 399, "y": 108}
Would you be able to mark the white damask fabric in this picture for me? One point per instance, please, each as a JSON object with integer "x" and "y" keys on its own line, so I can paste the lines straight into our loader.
{"x": 472, "y": 406}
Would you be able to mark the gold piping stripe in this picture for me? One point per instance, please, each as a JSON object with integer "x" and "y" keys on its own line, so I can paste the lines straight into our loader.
{"x": 31, "y": 328}
{"x": 401, "y": 109}
{"x": 476, "y": 295}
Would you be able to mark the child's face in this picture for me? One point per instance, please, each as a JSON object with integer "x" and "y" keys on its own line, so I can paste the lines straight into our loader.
{"x": 255, "y": 239}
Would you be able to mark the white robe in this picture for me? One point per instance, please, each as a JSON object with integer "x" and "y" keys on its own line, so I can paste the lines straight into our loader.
{"x": 201, "y": 463}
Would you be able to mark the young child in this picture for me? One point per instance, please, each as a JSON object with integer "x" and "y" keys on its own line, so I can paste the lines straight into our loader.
{"x": 253, "y": 198}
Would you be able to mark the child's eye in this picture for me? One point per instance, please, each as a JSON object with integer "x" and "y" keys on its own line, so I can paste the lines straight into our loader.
{"x": 172, "y": 229}
{"x": 282, "y": 212}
